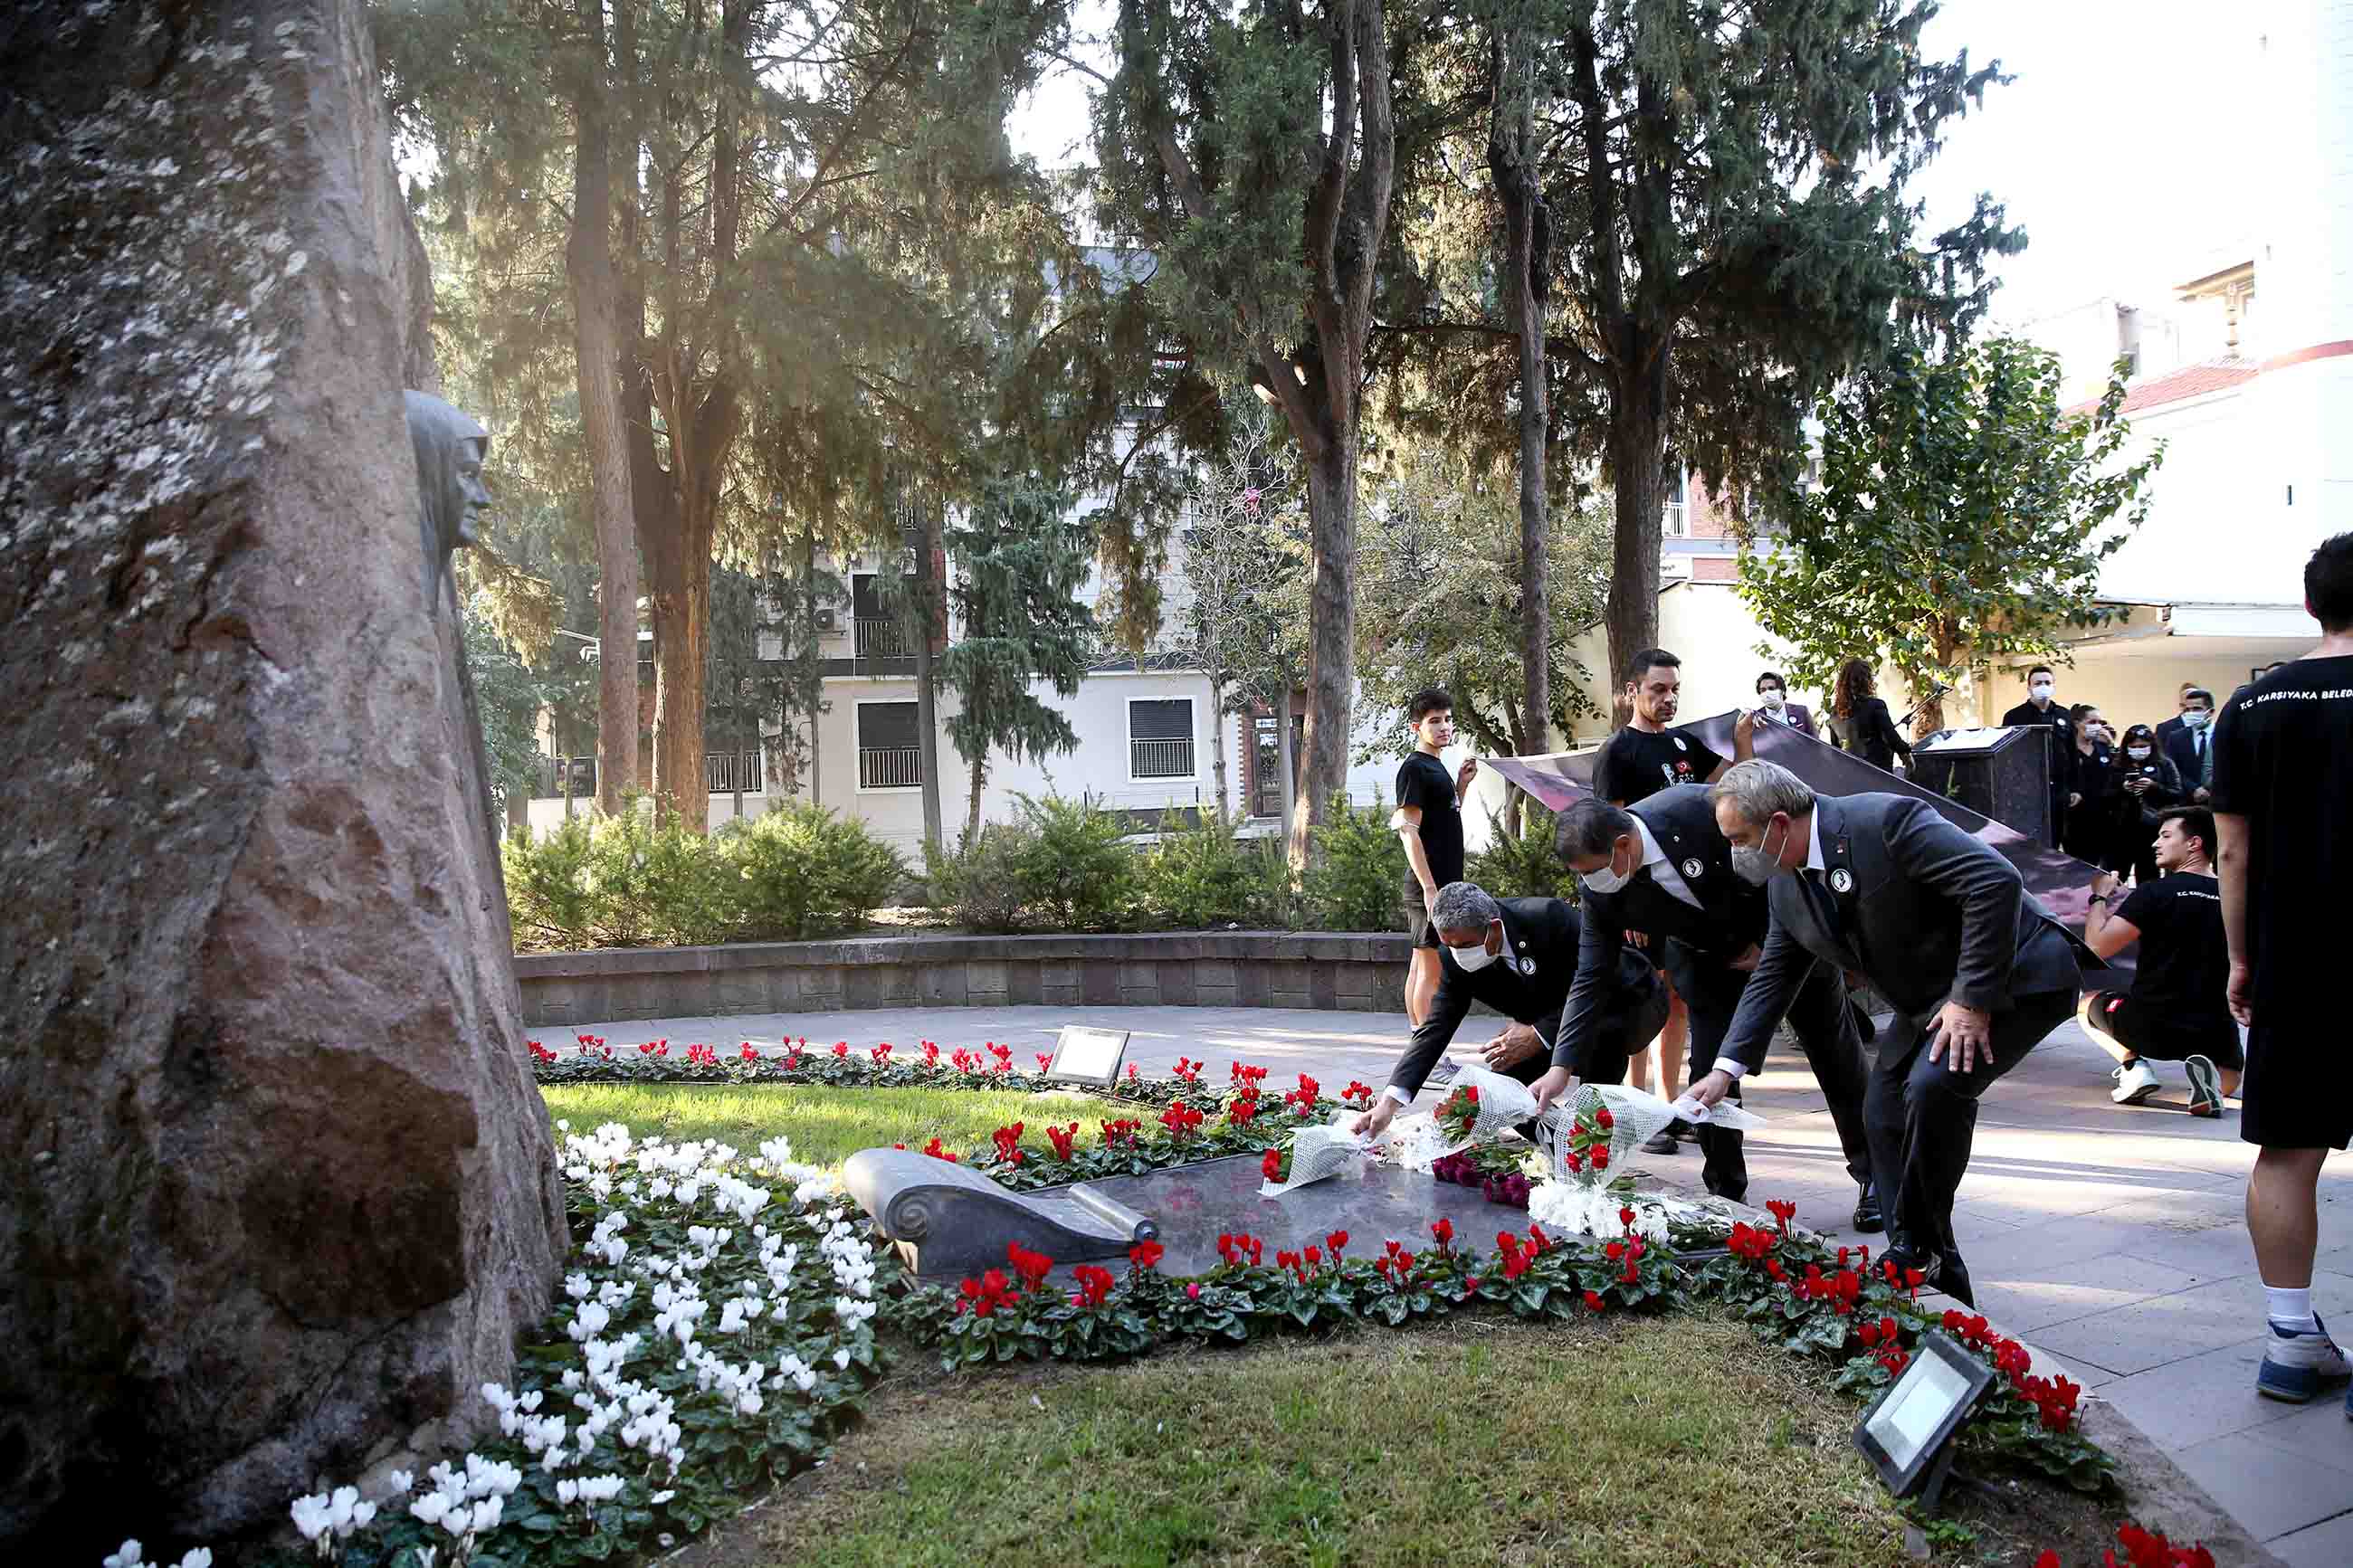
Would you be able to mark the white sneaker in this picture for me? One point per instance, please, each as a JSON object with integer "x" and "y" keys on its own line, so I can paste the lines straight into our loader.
{"x": 2136, "y": 1081}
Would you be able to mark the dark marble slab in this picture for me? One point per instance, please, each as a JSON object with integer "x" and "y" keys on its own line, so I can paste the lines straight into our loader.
{"x": 1193, "y": 1205}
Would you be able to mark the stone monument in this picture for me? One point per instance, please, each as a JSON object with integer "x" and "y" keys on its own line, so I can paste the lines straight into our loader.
{"x": 276, "y": 1191}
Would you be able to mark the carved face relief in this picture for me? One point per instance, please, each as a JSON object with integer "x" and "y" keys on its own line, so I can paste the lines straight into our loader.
{"x": 450, "y": 447}
{"x": 472, "y": 495}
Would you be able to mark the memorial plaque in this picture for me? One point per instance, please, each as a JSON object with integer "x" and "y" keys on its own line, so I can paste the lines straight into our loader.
{"x": 1083, "y": 1054}
{"x": 1905, "y": 1431}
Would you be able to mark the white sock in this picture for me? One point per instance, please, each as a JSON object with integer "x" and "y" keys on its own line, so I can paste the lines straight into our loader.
{"x": 2290, "y": 1308}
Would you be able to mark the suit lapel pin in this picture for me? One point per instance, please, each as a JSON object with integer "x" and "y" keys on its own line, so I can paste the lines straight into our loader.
{"x": 1527, "y": 967}
{"x": 1841, "y": 880}
{"x": 1693, "y": 867}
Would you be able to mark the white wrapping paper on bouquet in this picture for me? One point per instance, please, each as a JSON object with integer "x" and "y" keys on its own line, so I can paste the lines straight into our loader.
{"x": 1318, "y": 1153}
{"x": 1420, "y": 1142}
{"x": 1635, "y": 1117}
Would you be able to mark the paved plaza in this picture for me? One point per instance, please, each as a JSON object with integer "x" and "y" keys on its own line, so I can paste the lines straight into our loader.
{"x": 2108, "y": 1238}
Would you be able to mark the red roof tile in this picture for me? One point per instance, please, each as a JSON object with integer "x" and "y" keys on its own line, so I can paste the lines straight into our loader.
{"x": 2190, "y": 381}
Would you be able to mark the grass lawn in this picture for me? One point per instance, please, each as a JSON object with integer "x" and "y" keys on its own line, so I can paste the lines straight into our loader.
{"x": 825, "y": 1125}
{"x": 1640, "y": 1444}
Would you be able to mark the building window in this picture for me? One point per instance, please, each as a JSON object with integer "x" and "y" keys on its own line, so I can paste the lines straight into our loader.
{"x": 876, "y": 631}
{"x": 888, "y": 754}
{"x": 726, "y": 771}
{"x": 1674, "y": 519}
{"x": 1160, "y": 738}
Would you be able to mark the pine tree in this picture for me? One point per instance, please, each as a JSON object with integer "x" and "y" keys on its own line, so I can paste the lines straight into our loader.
{"x": 1018, "y": 559}
{"x": 1251, "y": 152}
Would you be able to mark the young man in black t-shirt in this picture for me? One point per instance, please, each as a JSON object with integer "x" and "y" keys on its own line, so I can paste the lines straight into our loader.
{"x": 1428, "y": 820}
{"x": 1646, "y": 756}
{"x": 2283, "y": 775}
{"x": 2179, "y": 1008}
{"x": 1636, "y": 764}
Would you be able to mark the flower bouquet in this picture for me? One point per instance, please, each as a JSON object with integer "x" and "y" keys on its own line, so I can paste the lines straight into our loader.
{"x": 1482, "y": 1106}
{"x": 1311, "y": 1154}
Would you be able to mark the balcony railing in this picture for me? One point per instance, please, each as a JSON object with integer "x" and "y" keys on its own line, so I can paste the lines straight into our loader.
{"x": 727, "y": 771}
{"x": 890, "y": 767}
{"x": 876, "y": 638}
{"x": 1160, "y": 759}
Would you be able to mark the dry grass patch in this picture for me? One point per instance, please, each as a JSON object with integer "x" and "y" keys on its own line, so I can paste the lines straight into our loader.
{"x": 1624, "y": 1443}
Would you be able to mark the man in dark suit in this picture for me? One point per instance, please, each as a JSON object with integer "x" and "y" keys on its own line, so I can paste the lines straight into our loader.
{"x": 1942, "y": 927}
{"x": 2040, "y": 710}
{"x": 1661, "y": 870}
{"x": 1774, "y": 707}
{"x": 1518, "y": 956}
{"x": 2167, "y": 729}
{"x": 2188, "y": 741}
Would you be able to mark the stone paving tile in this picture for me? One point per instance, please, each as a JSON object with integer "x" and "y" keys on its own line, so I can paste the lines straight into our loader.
{"x": 2318, "y": 1431}
{"x": 2064, "y": 1289}
{"x": 2271, "y": 1491}
{"x": 2328, "y": 1545}
{"x": 2198, "y": 1398}
{"x": 2165, "y": 1329}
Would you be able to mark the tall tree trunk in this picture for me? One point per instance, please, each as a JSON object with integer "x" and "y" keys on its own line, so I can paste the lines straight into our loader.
{"x": 597, "y": 348}
{"x": 1285, "y": 758}
{"x": 928, "y": 711}
{"x": 816, "y": 698}
{"x": 1332, "y": 625}
{"x": 1218, "y": 745}
{"x": 678, "y": 579}
{"x": 1638, "y": 452}
{"x": 972, "y": 810}
{"x": 1524, "y": 266}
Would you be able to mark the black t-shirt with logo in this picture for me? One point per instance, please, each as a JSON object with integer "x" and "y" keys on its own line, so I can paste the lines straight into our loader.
{"x": 1635, "y": 764}
{"x": 2183, "y": 977}
{"x": 2284, "y": 759}
{"x": 1424, "y": 781}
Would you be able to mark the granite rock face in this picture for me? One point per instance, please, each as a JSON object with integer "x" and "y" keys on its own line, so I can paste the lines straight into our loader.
{"x": 275, "y": 1186}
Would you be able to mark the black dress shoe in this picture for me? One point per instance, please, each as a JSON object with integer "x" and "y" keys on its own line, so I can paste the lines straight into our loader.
{"x": 1868, "y": 1218}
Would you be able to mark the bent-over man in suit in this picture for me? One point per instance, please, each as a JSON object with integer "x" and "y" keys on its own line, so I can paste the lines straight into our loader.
{"x": 1943, "y": 928}
{"x": 1518, "y": 956}
{"x": 1661, "y": 871}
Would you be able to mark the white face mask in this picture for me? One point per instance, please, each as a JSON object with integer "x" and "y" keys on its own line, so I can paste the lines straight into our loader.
{"x": 1471, "y": 960}
{"x": 2196, "y": 719}
{"x": 1773, "y": 699}
{"x": 1606, "y": 879}
{"x": 2137, "y": 753}
{"x": 2043, "y": 690}
{"x": 1754, "y": 863}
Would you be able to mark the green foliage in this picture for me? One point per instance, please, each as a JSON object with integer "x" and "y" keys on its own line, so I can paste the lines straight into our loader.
{"x": 1959, "y": 518}
{"x": 548, "y": 897}
{"x": 1022, "y": 558}
{"x": 1074, "y": 871}
{"x": 979, "y": 884}
{"x": 1526, "y": 867}
{"x": 1358, "y": 869}
{"x": 802, "y": 871}
{"x": 626, "y": 881}
{"x": 1438, "y": 570}
{"x": 507, "y": 696}
{"x": 1202, "y": 875}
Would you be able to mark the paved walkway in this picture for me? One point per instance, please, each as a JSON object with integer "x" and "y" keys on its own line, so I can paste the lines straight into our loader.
{"x": 2109, "y": 1238}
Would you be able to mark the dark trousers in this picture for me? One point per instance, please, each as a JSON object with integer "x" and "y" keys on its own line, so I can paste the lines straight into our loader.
{"x": 1922, "y": 1116}
{"x": 1826, "y": 1032}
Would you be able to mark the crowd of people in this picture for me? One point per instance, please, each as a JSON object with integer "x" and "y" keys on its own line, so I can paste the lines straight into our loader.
{"x": 1719, "y": 897}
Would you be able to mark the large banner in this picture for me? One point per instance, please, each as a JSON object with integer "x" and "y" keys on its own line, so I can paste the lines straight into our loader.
{"x": 2061, "y": 882}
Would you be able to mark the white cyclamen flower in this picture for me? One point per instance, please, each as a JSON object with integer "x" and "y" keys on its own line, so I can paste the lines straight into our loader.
{"x": 313, "y": 1515}
{"x": 198, "y": 1557}
{"x": 128, "y": 1557}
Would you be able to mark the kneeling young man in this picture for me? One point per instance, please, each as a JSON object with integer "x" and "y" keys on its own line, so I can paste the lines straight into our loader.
{"x": 2179, "y": 1008}
{"x": 1518, "y": 956}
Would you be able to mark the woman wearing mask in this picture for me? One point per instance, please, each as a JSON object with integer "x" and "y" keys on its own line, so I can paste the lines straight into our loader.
{"x": 1859, "y": 722}
{"x": 2145, "y": 784}
{"x": 2091, "y": 787}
